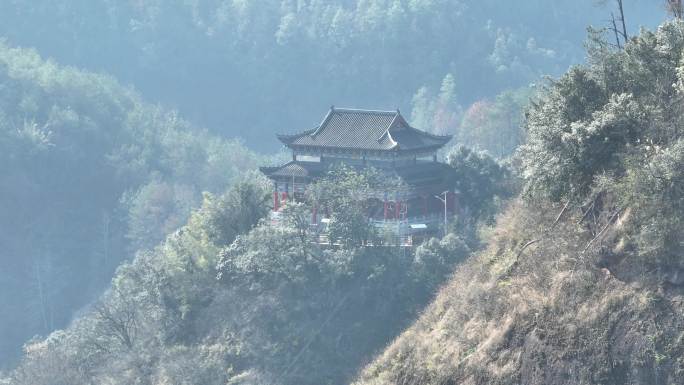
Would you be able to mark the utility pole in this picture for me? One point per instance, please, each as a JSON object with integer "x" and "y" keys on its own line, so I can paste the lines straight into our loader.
{"x": 444, "y": 200}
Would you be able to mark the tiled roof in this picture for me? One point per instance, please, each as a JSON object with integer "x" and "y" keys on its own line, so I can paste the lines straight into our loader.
{"x": 295, "y": 168}
{"x": 365, "y": 130}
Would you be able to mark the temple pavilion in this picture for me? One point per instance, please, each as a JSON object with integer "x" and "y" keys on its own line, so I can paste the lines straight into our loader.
{"x": 370, "y": 138}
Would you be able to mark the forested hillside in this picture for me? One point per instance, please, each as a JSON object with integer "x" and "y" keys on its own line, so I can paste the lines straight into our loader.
{"x": 108, "y": 184}
{"x": 251, "y": 68}
{"x": 89, "y": 174}
{"x": 232, "y": 298}
{"x": 582, "y": 281}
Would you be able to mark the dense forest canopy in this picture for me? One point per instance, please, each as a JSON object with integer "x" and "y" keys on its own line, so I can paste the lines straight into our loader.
{"x": 235, "y": 298}
{"x": 234, "y": 65}
{"x": 159, "y": 205}
{"x": 90, "y": 173}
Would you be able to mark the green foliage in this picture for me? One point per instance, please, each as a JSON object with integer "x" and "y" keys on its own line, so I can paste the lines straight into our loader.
{"x": 345, "y": 193}
{"x": 575, "y": 154}
{"x": 435, "y": 254}
{"x": 236, "y": 212}
{"x": 269, "y": 254}
{"x": 654, "y": 190}
{"x": 439, "y": 114}
{"x": 614, "y": 128}
{"x": 89, "y": 171}
{"x": 496, "y": 126}
{"x": 89, "y": 174}
{"x": 581, "y": 281}
{"x": 540, "y": 316}
{"x": 481, "y": 182}
{"x": 156, "y": 210}
{"x": 297, "y": 215}
{"x": 218, "y": 59}
{"x": 281, "y": 310}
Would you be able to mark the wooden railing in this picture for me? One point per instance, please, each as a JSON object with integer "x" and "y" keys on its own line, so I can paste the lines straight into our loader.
{"x": 397, "y": 241}
{"x": 391, "y": 232}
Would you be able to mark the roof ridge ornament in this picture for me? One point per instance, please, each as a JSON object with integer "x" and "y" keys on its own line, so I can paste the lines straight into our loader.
{"x": 387, "y": 132}
{"x": 323, "y": 123}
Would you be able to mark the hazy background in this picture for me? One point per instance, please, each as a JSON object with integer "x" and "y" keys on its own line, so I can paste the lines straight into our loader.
{"x": 251, "y": 68}
{"x": 91, "y": 171}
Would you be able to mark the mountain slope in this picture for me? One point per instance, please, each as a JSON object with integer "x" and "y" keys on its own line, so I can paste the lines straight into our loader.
{"x": 582, "y": 280}
{"x": 550, "y": 316}
{"x": 233, "y": 299}
{"x": 89, "y": 174}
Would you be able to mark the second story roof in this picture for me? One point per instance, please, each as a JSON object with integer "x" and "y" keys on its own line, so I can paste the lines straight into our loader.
{"x": 369, "y": 130}
{"x": 416, "y": 175}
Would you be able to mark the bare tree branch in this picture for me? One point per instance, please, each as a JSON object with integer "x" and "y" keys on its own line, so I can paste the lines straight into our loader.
{"x": 603, "y": 230}
{"x": 675, "y": 8}
{"x": 622, "y": 19}
{"x": 615, "y": 30}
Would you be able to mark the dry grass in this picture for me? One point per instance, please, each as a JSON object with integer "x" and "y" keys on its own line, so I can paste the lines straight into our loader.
{"x": 549, "y": 315}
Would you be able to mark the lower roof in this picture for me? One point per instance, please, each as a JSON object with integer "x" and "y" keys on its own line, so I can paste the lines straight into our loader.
{"x": 295, "y": 168}
{"x": 416, "y": 174}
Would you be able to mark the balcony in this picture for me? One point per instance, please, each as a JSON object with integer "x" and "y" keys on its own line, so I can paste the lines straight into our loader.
{"x": 404, "y": 233}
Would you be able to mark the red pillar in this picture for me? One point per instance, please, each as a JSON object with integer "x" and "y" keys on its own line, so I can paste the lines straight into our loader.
{"x": 314, "y": 213}
{"x": 397, "y": 207}
{"x": 276, "y": 205}
{"x": 385, "y": 210}
{"x": 284, "y": 198}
